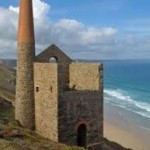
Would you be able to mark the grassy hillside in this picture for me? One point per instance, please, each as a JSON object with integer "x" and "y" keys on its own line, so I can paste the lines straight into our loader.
{"x": 7, "y": 83}
{"x": 7, "y": 76}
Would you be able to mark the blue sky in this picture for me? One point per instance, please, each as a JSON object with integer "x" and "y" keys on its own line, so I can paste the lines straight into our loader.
{"x": 102, "y": 12}
{"x": 96, "y": 12}
{"x": 118, "y": 29}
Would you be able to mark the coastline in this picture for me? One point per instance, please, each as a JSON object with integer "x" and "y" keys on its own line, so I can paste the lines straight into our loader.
{"x": 121, "y": 126}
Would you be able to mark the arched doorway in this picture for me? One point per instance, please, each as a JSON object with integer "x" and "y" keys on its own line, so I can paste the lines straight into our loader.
{"x": 81, "y": 135}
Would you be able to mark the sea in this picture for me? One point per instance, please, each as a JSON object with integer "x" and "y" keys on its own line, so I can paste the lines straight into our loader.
{"x": 127, "y": 86}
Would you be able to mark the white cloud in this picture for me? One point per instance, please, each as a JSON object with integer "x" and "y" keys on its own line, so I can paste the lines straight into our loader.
{"x": 7, "y": 32}
{"x": 75, "y": 38}
{"x": 72, "y": 32}
{"x": 41, "y": 9}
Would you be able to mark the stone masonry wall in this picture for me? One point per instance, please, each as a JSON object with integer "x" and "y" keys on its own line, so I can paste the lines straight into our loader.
{"x": 59, "y": 113}
{"x": 82, "y": 104}
{"x": 24, "y": 104}
{"x": 77, "y": 107}
{"x": 62, "y": 60}
{"x": 46, "y": 99}
{"x": 84, "y": 76}
{"x": 63, "y": 76}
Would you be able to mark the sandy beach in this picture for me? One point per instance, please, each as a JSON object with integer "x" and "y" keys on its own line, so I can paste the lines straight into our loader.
{"x": 120, "y": 126}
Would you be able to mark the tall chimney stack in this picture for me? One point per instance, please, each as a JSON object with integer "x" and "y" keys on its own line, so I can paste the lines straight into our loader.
{"x": 24, "y": 105}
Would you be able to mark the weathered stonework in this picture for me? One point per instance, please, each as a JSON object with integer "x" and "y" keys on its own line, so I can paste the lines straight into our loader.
{"x": 84, "y": 76}
{"x": 70, "y": 95}
{"x": 24, "y": 105}
{"x": 24, "y": 111}
{"x": 46, "y": 100}
{"x": 80, "y": 107}
{"x": 82, "y": 104}
{"x": 63, "y": 62}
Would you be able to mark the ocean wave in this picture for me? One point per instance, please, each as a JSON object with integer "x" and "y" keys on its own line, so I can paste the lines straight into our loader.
{"x": 118, "y": 94}
{"x": 121, "y": 99}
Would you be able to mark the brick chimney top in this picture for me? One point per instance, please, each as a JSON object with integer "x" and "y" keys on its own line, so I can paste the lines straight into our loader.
{"x": 26, "y": 25}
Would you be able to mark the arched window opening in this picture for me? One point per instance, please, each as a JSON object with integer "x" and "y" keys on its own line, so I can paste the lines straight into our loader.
{"x": 81, "y": 135}
{"x": 53, "y": 59}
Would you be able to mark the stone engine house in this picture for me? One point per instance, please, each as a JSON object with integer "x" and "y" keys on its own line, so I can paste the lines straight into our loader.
{"x": 68, "y": 98}
{"x": 59, "y": 98}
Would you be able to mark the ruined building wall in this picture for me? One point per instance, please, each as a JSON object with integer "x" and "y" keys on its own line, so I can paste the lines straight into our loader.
{"x": 60, "y": 111}
{"x": 77, "y": 107}
{"x": 63, "y": 62}
{"x": 82, "y": 104}
{"x": 46, "y": 99}
{"x": 84, "y": 76}
{"x": 63, "y": 76}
